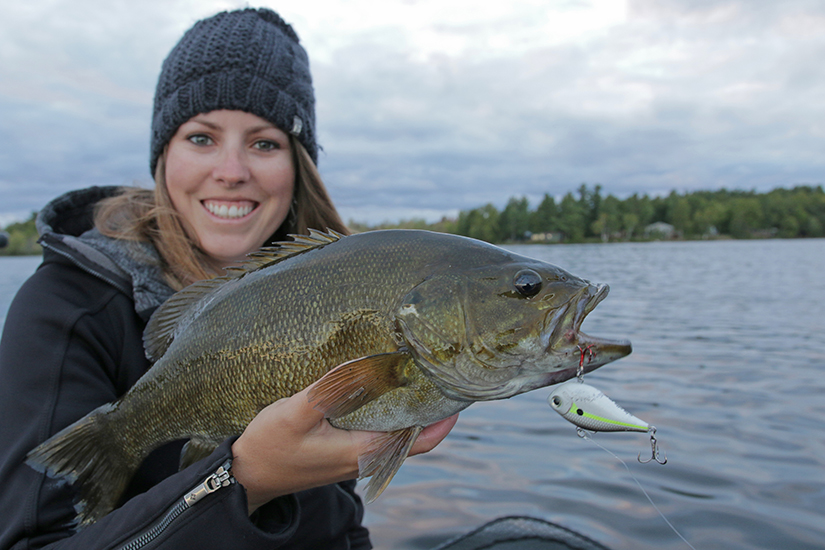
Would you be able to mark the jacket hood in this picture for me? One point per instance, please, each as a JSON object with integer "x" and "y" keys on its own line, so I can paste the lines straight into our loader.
{"x": 66, "y": 227}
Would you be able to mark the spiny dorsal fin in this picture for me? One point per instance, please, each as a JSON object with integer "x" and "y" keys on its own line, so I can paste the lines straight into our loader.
{"x": 183, "y": 307}
{"x": 286, "y": 249}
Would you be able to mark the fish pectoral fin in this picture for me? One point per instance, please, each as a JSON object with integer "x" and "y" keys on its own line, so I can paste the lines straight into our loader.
{"x": 387, "y": 452}
{"x": 353, "y": 384}
{"x": 196, "y": 449}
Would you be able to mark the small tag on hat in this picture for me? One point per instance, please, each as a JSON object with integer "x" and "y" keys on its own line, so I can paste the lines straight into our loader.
{"x": 297, "y": 125}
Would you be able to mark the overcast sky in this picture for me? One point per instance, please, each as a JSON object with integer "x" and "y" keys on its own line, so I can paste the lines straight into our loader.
{"x": 433, "y": 106}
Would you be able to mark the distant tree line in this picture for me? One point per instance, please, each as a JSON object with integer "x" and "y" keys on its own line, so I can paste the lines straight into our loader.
{"x": 588, "y": 215}
{"x": 22, "y": 238}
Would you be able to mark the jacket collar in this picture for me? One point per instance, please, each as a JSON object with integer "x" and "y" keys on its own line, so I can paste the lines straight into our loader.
{"x": 66, "y": 226}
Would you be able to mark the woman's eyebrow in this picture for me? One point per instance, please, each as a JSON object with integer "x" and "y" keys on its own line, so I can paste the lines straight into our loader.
{"x": 252, "y": 130}
{"x": 259, "y": 128}
{"x": 206, "y": 123}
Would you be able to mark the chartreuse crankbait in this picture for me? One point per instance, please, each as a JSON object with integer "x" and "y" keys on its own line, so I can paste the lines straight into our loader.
{"x": 589, "y": 409}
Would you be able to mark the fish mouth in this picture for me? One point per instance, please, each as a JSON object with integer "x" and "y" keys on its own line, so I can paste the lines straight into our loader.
{"x": 480, "y": 372}
{"x": 578, "y": 352}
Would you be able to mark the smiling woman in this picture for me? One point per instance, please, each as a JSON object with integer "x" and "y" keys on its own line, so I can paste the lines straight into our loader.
{"x": 230, "y": 176}
{"x": 140, "y": 214}
{"x": 233, "y": 153}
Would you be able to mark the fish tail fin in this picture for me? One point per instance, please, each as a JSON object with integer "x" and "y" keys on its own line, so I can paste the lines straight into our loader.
{"x": 382, "y": 461}
{"x": 87, "y": 455}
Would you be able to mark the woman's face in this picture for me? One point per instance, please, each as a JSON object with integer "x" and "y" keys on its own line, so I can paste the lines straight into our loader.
{"x": 230, "y": 175}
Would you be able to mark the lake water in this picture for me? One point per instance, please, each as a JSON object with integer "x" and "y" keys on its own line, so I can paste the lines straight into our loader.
{"x": 728, "y": 364}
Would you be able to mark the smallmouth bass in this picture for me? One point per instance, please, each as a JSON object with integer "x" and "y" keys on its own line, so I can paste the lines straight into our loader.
{"x": 402, "y": 327}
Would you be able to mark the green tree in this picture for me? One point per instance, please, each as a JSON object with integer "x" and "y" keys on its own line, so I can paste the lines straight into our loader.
{"x": 514, "y": 221}
{"x": 22, "y": 238}
{"x": 589, "y": 205}
{"x": 639, "y": 214}
{"x": 746, "y": 217}
{"x": 572, "y": 219}
{"x": 544, "y": 218}
{"x": 678, "y": 212}
{"x": 813, "y": 228}
{"x": 479, "y": 223}
{"x": 709, "y": 217}
{"x": 630, "y": 224}
{"x": 609, "y": 218}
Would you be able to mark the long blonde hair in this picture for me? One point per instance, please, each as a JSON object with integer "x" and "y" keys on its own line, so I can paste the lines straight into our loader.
{"x": 148, "y": 215}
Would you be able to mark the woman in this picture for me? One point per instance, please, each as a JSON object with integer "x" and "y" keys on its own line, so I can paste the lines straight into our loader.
{"x": 233, "y": 153}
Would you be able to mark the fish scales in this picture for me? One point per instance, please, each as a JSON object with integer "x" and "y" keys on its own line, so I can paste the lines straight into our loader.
{"x": 403, "y": 328}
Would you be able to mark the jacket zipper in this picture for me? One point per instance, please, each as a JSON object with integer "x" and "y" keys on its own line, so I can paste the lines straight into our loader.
{"x": 221, "y": 478}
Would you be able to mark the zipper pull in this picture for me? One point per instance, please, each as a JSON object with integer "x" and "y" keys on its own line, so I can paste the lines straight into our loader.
{"x": 221, "y": 478}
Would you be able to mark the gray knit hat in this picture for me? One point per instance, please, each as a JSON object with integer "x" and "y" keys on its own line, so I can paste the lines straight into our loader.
{"x": 248, "y": 60}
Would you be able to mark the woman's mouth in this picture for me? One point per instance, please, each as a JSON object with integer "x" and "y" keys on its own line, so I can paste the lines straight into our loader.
{"x": 229, "y": 210}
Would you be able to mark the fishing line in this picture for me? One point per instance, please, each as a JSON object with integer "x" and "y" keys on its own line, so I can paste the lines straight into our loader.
{"x": 584, "y": 435}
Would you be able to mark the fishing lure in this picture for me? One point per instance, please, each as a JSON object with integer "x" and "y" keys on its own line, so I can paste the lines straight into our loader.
{"x": 589, "y": 409}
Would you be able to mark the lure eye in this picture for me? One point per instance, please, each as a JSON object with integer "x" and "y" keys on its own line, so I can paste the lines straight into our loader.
{"x": 556, "y": 401}
{"x": 527, "y": 282}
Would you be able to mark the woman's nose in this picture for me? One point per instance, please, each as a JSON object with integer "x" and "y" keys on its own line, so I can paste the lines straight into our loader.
{"x": 232, "y": 167}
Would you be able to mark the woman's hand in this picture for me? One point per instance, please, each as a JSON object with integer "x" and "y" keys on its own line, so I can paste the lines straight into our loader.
{"x": 290, "y": 447}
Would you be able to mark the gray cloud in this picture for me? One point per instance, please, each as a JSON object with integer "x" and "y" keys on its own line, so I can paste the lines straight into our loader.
{"x": 680, "y": 95}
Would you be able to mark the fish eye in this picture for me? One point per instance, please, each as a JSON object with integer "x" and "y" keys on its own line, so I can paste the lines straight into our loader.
{"x": 527, "y": 282}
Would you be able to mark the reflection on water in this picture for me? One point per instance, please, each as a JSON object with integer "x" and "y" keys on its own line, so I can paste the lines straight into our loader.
{"x": 728, "y": 364}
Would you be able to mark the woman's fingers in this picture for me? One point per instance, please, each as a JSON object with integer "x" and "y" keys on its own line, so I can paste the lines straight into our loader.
{"x": 289, "y": 446}
{"x": 303, "y": 416}
{"x": 433, "y": 435}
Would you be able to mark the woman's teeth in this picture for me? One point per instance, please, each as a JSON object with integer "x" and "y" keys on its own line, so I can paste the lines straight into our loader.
{"x": 224, "y": 211}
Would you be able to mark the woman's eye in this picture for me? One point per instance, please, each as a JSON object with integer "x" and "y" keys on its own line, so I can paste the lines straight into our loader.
{"x": 266, "y": 145}
{"x": 200, "y": 139}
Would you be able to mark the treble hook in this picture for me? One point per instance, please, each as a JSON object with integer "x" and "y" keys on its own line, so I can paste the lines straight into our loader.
{"x": 654, "y": 449}
{"x": 584, "y": 351}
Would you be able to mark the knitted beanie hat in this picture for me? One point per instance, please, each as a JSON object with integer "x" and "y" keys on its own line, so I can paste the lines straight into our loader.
{"x": 247, "y": 60}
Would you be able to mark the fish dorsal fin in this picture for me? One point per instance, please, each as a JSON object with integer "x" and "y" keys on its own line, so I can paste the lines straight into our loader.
{"x": 183, "y": 307}
{"x": 166, "y": 321}
{"x": 285, "y": 249}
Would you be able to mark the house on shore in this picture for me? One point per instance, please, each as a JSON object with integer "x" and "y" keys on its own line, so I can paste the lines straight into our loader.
{"x": 660, "y": 230}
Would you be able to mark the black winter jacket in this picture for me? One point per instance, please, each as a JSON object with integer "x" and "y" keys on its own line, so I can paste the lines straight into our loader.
{"x": 73, "y": 341}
